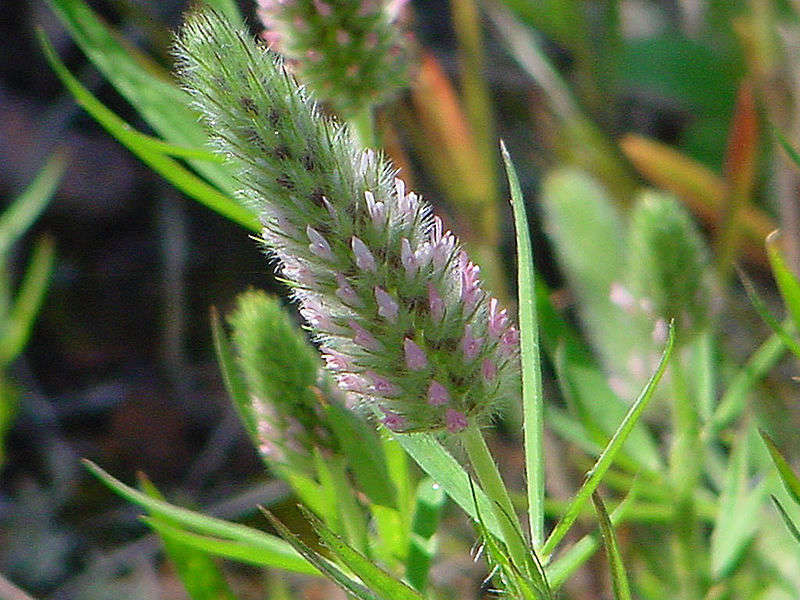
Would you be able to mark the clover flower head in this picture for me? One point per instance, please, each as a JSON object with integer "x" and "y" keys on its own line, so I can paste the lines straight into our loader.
{"x": 386, "y": 289}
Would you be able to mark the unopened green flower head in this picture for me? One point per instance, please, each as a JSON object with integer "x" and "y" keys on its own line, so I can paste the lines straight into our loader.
{"x": 667, "y": 262}
{"x": 349, "y": 52}
{"x": 389, "y": 294}
{"x": 284, "y": 413}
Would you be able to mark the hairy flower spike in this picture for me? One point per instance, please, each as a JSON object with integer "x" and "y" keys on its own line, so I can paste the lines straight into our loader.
{"x": 388, "y": 293}
{"x": 350, "y": 52}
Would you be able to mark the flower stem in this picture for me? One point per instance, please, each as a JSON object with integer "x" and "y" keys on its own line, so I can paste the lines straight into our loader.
{"x": 363, "y": 125}
{"x": 685, "y": 473}
{"x": 492, "y": 483}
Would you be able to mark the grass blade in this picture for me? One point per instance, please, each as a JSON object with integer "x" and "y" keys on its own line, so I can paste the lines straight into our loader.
{"x": 594, "y": 476}
{"x": 142, "y": 82}
{"x": 142, "y": 147}
{"x": 28, "y": 301}
{"x": 374, "y": 578}
{"x": 790, "y": 480}
{"x": 532, "y": 397}
{"x": 330, "y": 570}
{"x": 18, "y": 217}
{"x": 619, "y": 578}
{"x": 787, "y": 519}
{"x": 761, "y": 308}
{"x": 737, "y": 517}
{"x": 788, "y": 284}
{"x": 199, "y": 574}
{"x": 256, "y": 541}
{"x": 445, "y": 470}
{"x": 560, "y": 570}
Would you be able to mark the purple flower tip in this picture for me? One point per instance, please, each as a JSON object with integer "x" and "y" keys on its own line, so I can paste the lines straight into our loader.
{"x": 497, "y": 319}
{"x": 437, "y": 394}
{"x": 435, "y": 303}
{"x": 392, "y": 420}
{"x": 323, "y": 8}
{"x": 382, "y": 386}
{"x": 335, "y": 361}
{"x": 342, "y": 37}
{"x": 364, "y": 259}
{"x": 621, "y": 296}
{"x": 319, "y": 245}
{"x": 376, "y": 210}
{"x": 488, "y": 369}
{"x": 346, "y": 293}
{"x": 387, "y": 306}
{"x": 408, "y": 258}
{"x": 510, "y": 340}
{"x": 455, "y": 420}
{"x": 364, "y": 338}
{"x": 470, "y": 344}
{"x": 415, "y": 356}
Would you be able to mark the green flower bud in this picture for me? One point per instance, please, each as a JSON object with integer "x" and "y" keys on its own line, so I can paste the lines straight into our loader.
{"x": 285, "y": 415}
{"x": 668, "y": 262}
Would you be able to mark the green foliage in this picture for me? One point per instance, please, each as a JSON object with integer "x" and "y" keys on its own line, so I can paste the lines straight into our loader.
{"x": 18, "y": 310}
{"x": 532, "y": 394}
{"x": 619, "y": 577}
{"x": 198, "y": 572}
{"x": 213, "y": 536}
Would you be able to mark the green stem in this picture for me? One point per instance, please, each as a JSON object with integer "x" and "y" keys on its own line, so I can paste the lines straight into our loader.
{"x": 492, "y": 484}
{"x": 685, "y": 473}
{"x": 363, "y": 126}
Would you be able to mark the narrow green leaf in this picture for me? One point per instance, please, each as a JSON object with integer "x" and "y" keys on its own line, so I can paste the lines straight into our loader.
{"x": 199, "y": 574}
{"x": 787, "y": 519}
{"x": 171, "y": 170}
{"x": 266, "y": 545}
{"x": 571, "y": 560}
{"x": 619, "y": 577}
{"x": 737, "y": 517}
{"x": 516, "y": 585}
{"x": 308, "y": 491}
{"x": 703, "y": 373}
{"x": 532, "y": 397}
{"x": 374, "y": 578}
{"x": 440, "y": 465}
{"x": 790, "y": 150}
{"x": 229, "y": 9}
{"x": 605, "y": 460}
{"x": 788, "y": 284}
{"x": 25, "y": 209}
{"x": 231, "y": 374}
{"x": 761, "y": 308}
{"x": 9, "y": 401}
{"x": 354, "y": 522}
{"x": 790, "y": 480}
{"x": 330, "y": 513}
{"x": 330, "y": 570}
{"x": 232, "y": 550}
{"x": 143, "y": 83}
{"x": 734, "y": 399}
{"x": 427, "y": 512}
{"x": 28, "y": 300}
